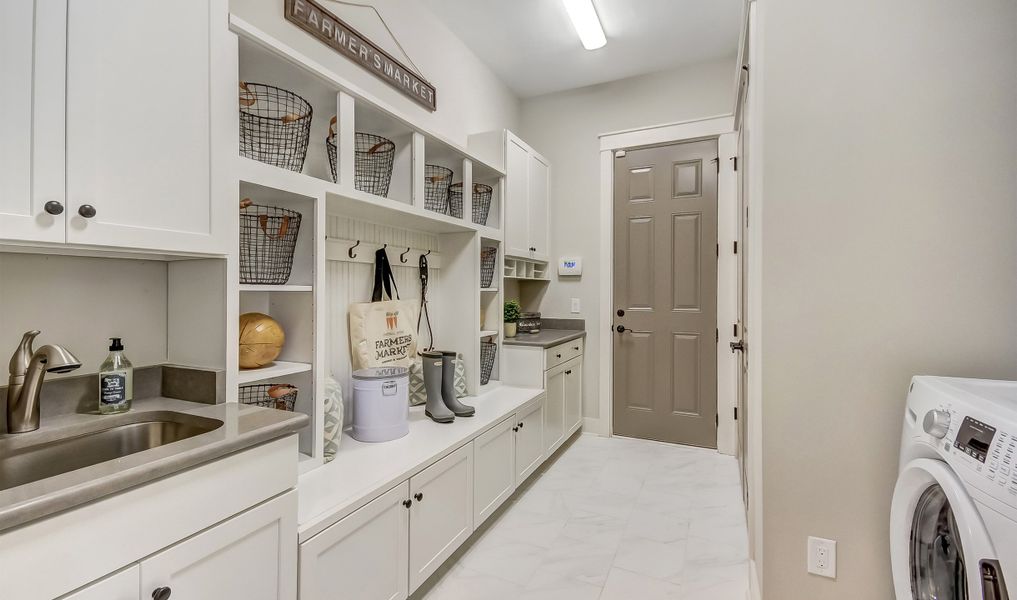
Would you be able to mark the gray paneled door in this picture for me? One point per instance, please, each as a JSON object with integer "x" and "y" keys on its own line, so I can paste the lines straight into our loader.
{"x": 665, "y": 293}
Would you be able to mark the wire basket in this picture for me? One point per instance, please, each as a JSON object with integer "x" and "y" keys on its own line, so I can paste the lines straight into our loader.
{"x": 481, "y": 200}
{"x": 268, "y": 236}
{"x": 529, "y": 322}
{"x": 281, "y": 396}
{"x": 373, "y": 157}
{"x": 488, "y": 258}
{"x": 275, "y": 125}
{"x": 436, "y": 184}
{"x": 488, "y": 352}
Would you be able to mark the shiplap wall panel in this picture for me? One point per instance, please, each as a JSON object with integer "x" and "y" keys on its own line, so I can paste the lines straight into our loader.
{"x": 349, "y": 282}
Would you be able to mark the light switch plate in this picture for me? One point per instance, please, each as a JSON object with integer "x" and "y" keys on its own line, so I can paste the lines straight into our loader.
{"x": 575, "y": 306}
{"x": 822, "y": 557}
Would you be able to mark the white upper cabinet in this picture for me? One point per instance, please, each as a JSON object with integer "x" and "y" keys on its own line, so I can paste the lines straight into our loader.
{"x": 527, "y": 185}
{"x": 140, "y": 124}
{"x": 123, "y": 122}
{"x": 31, "y": 130}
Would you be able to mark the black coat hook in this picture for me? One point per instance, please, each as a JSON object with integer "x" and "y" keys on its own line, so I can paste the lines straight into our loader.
{"x": 402, "y": 257}
{"x": 352, "y": 248}
{"x": 428, "y": 253}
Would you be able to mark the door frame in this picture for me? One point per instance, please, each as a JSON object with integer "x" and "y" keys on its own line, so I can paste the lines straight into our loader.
{"x": 722, "y": 129}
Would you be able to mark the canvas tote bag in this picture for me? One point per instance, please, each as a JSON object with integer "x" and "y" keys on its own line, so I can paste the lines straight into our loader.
{"x": 383, "y": 332}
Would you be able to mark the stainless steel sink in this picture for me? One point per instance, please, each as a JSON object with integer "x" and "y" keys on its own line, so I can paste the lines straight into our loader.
{"x": 27, "y": 458}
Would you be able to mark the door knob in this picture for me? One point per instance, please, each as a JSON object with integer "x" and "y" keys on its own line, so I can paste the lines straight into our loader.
{"x": 54, "y": 208}
{"x": 86, "y": 210}
{"x": 622, "y": 329}
{"x": 739, "y": 346}
{"x": 162, "y": 593}
{"x": 621, "y": 313}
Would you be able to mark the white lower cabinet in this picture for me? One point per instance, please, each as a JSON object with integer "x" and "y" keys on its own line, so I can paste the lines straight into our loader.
{"x": 573, "y": 395}
{"x": 251, "y": 556}
{"x": 365, "y": 556}
{"x": 118, "y": 586}
{"x": 529, "y": 440}
{"x": 554, "y": 408}
{"x": 494, "y": 468}
{"x": 441, "y": 516}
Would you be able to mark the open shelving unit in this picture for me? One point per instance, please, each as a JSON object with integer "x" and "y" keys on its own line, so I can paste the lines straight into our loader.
{"x": 312, "y": 306}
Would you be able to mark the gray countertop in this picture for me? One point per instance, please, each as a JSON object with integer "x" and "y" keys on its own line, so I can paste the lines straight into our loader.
{"x": 546, "y": 338}
{"x": 243, "y": 426}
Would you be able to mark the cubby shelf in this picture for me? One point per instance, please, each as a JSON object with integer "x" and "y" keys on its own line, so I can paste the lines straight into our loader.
{"x": 249, "y": 287}
{"x": 488, "y": 333}
{"x": 277, "y": 369}
{"x": 490, "y": 290}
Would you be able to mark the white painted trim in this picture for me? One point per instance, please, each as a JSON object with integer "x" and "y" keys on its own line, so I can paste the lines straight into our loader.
{"x": 754, "y": 308}
{"x": 755, "y": 592}
{"x": 712, "y": 127}
{"x": 709, "y": 127}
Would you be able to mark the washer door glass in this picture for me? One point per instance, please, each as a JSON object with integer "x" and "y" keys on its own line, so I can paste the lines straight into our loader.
{"x": 937, "y": 558}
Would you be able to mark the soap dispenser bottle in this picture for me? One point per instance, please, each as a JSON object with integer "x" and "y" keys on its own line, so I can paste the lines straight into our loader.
{"x": 116, "y": 381}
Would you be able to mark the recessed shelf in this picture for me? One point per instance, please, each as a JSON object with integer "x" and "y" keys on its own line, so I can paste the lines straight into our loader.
{"x": 488, "y": 333}
{"x": 249, "y": 287}
{"x": 277, "y": 369}
{"x": 488, "y": 290}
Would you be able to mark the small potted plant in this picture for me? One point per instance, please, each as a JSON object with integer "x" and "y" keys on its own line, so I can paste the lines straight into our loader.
{"x": 512, "y": 312}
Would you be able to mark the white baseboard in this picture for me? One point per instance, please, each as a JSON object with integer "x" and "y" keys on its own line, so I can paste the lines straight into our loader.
{"x": 755, "y": 593}
{"x": 596, "y": 426}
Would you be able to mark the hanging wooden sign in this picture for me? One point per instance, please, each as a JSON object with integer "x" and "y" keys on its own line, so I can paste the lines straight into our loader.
{"x": 336, "y": 34}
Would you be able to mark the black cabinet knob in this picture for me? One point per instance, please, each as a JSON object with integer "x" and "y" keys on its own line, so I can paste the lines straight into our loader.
{"x": 86, "y": 210}
{"x": 162, "y": 593}
{"x": 419, "y": 496}
{"x": 521, "y": 425}
{"x": 516, "y": 428}
{"x": 407, "y": 503}
{"x": 576, "y": 348}
{"x": 558, "y": 355}
{"x": 54, "y": 208}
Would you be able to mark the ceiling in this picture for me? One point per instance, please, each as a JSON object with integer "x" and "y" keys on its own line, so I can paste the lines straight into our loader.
{"x": 532, "y": 47}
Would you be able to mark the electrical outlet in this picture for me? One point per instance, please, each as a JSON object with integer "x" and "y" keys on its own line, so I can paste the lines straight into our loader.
{"x": 822, "y": 557}
{"x": 575, "y": 306}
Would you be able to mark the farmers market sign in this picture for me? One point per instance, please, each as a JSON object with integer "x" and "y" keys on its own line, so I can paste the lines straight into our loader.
{"x": 336, "y": 34}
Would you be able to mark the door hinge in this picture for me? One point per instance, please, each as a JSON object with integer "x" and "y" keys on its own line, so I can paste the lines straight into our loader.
{"x": 736, "y": 329}
{"x": 736, "y": 247}
{"x": 718, "y": 249}
{"x": 716, "y": 161}
{"x": 736, "y": 413}
{"x": 718, "y": 335}
{"x": 716, "y": 421}
{"x": 734, "y": 159}
{"x": 746, "y": 217}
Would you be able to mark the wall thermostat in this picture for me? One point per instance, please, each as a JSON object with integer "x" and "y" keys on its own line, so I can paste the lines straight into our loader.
{"x": 570, "y": 265}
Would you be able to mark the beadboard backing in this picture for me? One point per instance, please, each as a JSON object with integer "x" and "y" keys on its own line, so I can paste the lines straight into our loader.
{"x": 350, "y": 282}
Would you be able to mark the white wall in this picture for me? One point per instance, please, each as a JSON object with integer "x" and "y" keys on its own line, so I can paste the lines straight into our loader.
{"x": 470, "y": 97}
{"x": 564, "y": 127}
{"x": 79, "y": 303}
{"x": 889, "y": 249}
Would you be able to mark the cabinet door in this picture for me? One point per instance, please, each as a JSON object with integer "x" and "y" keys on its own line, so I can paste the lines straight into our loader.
{"x": 32, "y": 127}
{"x": 530, "y": 441}
{"x": 364, "y": 556}
{"x": 537, "y": 217}
{"x": 251, "y": 556}
{"x": 573, "y": 395}
{"x": 517, "y": 233}
{"x": 441, "y": 516}
{"x": 142, "y": 80}
{"x": 554, "y": 408}
{"x": 123, "y": 585}
{"x": 494, "y": 472}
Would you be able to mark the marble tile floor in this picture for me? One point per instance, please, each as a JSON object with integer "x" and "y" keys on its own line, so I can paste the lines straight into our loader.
{"x": 610, "y": 519}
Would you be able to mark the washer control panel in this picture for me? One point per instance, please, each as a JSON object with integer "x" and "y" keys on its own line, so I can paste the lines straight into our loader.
{"x": 974, "y": 438}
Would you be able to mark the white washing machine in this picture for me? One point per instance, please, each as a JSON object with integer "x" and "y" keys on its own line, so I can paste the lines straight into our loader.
{"x": 953, "y": 522}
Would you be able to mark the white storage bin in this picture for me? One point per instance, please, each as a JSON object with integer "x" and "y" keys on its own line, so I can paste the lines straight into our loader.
{"x": 381, "y": 406}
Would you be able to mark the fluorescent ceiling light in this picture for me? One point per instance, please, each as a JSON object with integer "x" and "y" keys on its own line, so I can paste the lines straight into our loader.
{"x": 587, "y": 23}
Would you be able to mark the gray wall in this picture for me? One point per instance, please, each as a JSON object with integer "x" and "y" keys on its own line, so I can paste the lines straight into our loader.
{"x": 564, "y": 127}
{"x": 889, "y": 250}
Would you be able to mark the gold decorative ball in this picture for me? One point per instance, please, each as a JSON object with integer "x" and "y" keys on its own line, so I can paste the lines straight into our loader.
{"x": 261, "y": 340}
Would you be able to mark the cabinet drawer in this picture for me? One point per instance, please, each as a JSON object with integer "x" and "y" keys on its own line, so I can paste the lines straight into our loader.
{"x": 562, "y": 353}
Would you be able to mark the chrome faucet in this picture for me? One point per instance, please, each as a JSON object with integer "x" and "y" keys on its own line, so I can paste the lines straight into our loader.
{"x": 28, "y": 367}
